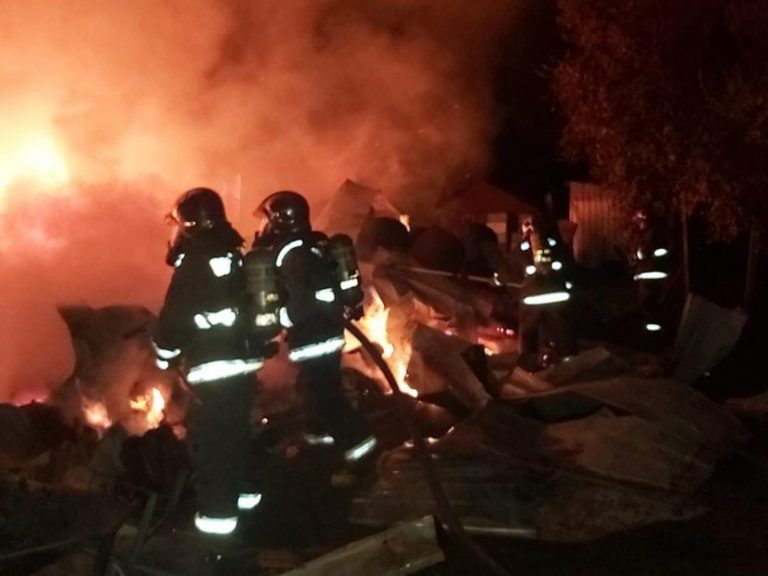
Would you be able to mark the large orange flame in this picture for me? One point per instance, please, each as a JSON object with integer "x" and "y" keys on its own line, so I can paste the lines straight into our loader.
{"x": 374, "y": 326}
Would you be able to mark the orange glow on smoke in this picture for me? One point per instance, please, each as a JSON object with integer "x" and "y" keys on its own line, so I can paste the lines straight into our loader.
{"x": 152, "y": 404}
{"x": 374, "y": 326}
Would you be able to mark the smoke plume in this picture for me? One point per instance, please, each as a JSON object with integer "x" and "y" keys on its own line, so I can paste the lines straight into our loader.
{"x": 108, "y": 110}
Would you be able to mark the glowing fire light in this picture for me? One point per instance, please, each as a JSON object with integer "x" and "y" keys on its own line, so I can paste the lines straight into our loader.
{"x": 374, "y": 326}
{"x": 96, "y": 415}
{"x": 35, "y": 158}
{"x": 152, "y": 404}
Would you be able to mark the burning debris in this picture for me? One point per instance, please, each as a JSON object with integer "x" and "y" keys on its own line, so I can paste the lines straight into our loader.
{"x": 520, "y": 454}
{"x": 115, "y": 379}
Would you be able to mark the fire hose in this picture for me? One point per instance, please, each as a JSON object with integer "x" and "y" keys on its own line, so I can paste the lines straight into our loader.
{"x": 443, "y": 508}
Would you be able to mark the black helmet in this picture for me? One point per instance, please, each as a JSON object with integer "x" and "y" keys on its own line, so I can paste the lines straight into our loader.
{"x": 198, "y": 214}
{"x": 283, "y": 212}
{"x": 199, "y": 208}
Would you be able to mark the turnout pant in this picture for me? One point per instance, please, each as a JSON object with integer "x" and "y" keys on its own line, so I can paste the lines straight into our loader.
{"x": 218, "y": 435}
{"x": 545, "y": 325}
{"x": 330, "y": 412}
{"x": 650, "y": 293}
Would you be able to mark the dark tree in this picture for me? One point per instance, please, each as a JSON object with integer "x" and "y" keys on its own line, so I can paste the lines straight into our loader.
{"x": 667, "y": 101}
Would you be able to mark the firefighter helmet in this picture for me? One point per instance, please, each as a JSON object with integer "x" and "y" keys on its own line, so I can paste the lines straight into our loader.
{"x": 197, "y": 213}
{"x": 199, "y": 208}
{"x": 283, "y": 212}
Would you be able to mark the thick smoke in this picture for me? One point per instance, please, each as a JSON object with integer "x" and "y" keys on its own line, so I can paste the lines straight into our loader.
{"x": 246, "y": 97}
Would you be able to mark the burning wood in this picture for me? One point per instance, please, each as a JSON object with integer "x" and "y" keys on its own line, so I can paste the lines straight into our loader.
{"x": 115, "y": 379}
{"x": 376, "y": 326}
{"x": 152, "y": 405}
{"x": 96, "y": 414}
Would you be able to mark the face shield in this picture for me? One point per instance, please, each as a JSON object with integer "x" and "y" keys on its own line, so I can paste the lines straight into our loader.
{"x": 177, "y": 226}
{"x": 178, "y": 230}
{"x": 262, "y": 222}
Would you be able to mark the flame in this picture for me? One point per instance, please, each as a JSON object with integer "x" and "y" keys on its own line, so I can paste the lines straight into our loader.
{"x": 152, "y": 404}
{"x": 374, "y": 326}
{"x": 37, "y": 158}
{"x": 95, "y": 413}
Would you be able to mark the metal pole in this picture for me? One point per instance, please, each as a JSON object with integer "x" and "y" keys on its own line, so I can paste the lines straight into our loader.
{"x": 444, "y": 510}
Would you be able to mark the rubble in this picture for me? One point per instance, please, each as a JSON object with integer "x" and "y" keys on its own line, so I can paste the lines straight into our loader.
{"x": 437, "y": 365}
{"x": 706, "y": 335}
{"x": 506, "y": 471}
{"x": 62, "y": 520}
{"x": 405, "y": 549}
{"x": 351, "y": 206}
{"x": 584, "y": 449}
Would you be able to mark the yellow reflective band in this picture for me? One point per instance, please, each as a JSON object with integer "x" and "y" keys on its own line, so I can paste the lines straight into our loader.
{"x": 165, "y": 353}
{"x": 652, "y": 275}
{"x": 325, "y": 295}
{"x": 319, "y": 440}
{"x": 285, "y": 249}
{"x": 207, "y": 320}
{"x": 316, "y": 350}
{"x": 548, "y": 298}
{"x": 350, "y": 283}
{"x": 221, "y": 526}
{"x": 285, "y": 319}
{"x": 220, "y": 369}
{"x": 248, "y": 501}
{"x": 362, "y": 449}
{"x": 265, "y": 319}
{"x": 221, "y": 265}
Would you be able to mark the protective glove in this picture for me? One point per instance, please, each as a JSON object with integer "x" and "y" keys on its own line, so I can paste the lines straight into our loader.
{"x": 354, "y": 312}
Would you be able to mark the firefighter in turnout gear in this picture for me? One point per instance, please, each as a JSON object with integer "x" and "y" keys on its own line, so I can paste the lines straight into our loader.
{"x": 544, "y": 329}
{"x": 650, "y": 261}
{"x": 320, "y": 281}
{"x": 199, "y": 332}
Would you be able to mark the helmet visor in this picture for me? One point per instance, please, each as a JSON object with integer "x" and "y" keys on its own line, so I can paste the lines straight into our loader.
{"x": 262, "y": 222}
{"x": 178, "y": 226}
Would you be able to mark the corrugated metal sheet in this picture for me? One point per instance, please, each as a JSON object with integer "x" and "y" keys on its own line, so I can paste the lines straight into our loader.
{"x": 593, "y": 209}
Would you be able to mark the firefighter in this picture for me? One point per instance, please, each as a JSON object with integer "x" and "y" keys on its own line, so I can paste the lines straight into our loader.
{"x": 544, "y": 328}
{"x": 650, "y": 260}
{"x": 482, "y": 254}
{"x": 321, "y": 284}
{"x": 199, "y": 332}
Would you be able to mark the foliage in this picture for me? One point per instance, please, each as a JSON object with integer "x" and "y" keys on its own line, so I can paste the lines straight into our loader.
{"x": 667, "y": 100}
